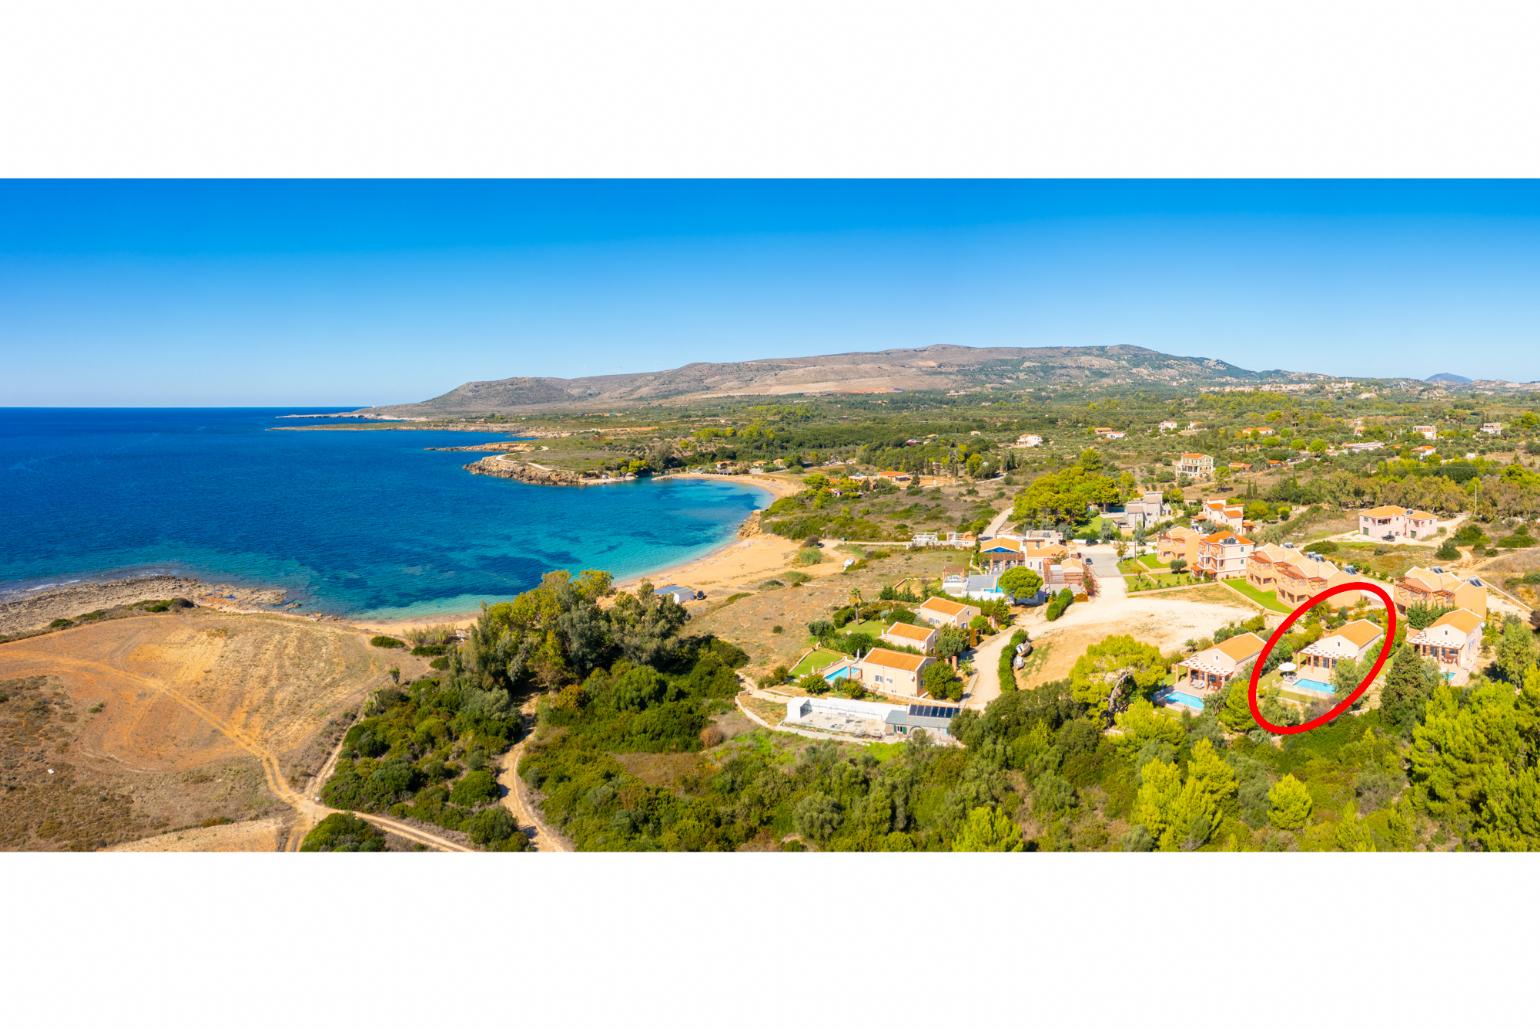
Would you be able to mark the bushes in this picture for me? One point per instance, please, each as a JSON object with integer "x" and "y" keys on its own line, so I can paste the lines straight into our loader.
{"x": 387, "y": 642}
{"x": 1008, "y": 660}
{"x": 423, "y": 753}
{"x": 343, "y": 832}
{"x": 1062, "y": 600}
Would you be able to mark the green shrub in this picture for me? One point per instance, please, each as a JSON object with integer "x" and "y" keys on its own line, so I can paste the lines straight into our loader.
{"x": 387, "y": 642}
{"x": 343, "y": 832}
{"x": 1062, "y": 600}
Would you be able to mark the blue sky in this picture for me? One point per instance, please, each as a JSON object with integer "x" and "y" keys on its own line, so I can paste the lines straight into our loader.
{"x": 339, "y": 292}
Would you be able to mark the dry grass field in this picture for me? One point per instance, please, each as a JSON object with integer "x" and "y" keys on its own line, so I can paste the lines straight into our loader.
{"x": 168, "y": 722}
{"x": 750, "y": 620}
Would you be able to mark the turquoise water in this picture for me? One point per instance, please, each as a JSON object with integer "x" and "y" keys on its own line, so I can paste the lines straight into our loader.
{"x": 1181, "y": 697}
{"x": 1314, "y": 686}
{"x": 351, "y": 522}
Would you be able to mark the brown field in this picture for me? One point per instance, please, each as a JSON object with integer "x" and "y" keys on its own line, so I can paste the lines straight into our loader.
{"x": 169, "y": 722}
{"x": 749, "y": 621}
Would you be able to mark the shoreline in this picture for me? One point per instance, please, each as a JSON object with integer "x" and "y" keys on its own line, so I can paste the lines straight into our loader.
{"x": 26, "y": 610}
{"x": 750, "y": 554}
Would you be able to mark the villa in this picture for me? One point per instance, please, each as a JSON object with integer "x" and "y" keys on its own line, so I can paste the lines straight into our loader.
{"x": 1223, "y": 514}
{"x": 1178, "y": 542}
{"x": 938, "y": 611}
{"x": 1435, "y": 588}
{"x": 1427, "y": 450}
{"x": 1492, "y": 428}
{"x": 1453, "y": 642}
{"x": 901, "y": 634}
{"x": 1068, "y": 574}
{"x": 950, "y": 539}
{"x": 1352, "y": 642}
{"x": 1108, "y": 433}
{"x": 892, "y": 672}
{"x": 1195, "y": 466}
{"x": 975, "y": 587}
{"x": 1364, "y": 447}
{"x": 897, "y": 478}
{"x": 998, "y": 554}
{"x": 1149, "y": 509}
{"x": 1029, "y": 440}
{"x": 1213, "y": 667}
{"x": 1168, "y": 425}
{"x": 1296, "y": 577}
{"x": 1223, "y": 555}
{"x": 1042, "y": 537}
{"x": 1392, "y": 522}
{"x": 1257, "y": 431}
{"x": 1426, "y": 432}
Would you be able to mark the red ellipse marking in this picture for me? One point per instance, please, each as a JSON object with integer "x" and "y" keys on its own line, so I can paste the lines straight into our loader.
{"x": 1272, "y": 641}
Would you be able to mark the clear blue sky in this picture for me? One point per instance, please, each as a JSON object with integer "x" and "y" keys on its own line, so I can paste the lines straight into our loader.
{"x": 295, "y": 293}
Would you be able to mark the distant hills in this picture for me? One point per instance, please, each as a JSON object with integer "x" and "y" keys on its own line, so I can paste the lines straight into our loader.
{"x": 939, "y": 368}
{"x": 1450, "y": 379}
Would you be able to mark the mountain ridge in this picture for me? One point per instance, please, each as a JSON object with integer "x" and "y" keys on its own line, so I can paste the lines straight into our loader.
{"x": 938, "y": 367}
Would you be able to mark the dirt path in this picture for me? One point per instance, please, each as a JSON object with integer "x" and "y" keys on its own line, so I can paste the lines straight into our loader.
{"x": 307, "y": 812}
{"x": 517, "y": 801}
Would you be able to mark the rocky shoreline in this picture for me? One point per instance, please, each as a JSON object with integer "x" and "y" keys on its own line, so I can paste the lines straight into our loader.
{"x": 539, "y": 475}
{"x": 27, "y": 611}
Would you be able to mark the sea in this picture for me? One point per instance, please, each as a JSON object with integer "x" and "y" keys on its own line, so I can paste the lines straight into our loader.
{"x": 362, "y": 523}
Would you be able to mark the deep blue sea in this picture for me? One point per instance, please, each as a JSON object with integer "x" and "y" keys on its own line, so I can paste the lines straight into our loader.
{"x": 354, "y": 523}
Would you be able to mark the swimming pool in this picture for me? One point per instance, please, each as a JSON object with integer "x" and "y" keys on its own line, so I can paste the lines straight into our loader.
{"x": 1186, "y": 700}
{"x": 1312, "y": 686}
{"x": 844, "y": 672}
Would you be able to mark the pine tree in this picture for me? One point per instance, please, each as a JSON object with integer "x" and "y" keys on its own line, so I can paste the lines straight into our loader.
{"x": 1289, "y": 804}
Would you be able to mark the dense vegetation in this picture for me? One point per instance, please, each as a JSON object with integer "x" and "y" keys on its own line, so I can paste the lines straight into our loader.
{"x": 343, "y": 832}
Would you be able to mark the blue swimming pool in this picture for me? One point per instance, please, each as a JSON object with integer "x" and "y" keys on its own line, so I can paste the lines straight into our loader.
{"x": 1313, "y": 686}
{"x": 842, "y": 673}
{"x": 1186, "y": 700}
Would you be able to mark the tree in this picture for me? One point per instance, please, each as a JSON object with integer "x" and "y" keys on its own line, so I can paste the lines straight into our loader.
{"x": 1289, "y": 804}
{"x": 950, "y": 642}
{"x": 988, "y": 829}
{"x": 1020, "y": 582}
{"x": 1409, "y": 683}
{"x": 1110, "y": 673}
{"x": 941, "y": 683}
{"x": 1447, "y": 551}
{"x": 1515, "y": 650}
{"x": 1212, "y": 772}
{"x": 1179, "y": 816}
{"x": 817, "y": 817}
{"x": 645, "y": 624}
{"x": 1345, "y": 678}
{"x": 1178, "y": 565}
{"x": 1065, "y": 495}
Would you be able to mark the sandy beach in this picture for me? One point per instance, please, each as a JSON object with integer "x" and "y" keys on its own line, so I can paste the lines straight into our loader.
{"x": 747, "y": 560}
{"x": 750, "y": 559}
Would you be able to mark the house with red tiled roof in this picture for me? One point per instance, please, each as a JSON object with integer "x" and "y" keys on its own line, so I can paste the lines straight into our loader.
{"x": 1393, "y": 522}
{"x": 1222, "y": 555}
{"x": 1213, "y": 667}
{"x": 1452, "y": 642}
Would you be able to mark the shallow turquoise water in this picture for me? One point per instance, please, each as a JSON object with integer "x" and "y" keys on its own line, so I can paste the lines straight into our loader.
{"x": 358, "y": 523}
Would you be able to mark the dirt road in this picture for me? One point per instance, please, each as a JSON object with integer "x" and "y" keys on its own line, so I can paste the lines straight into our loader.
{"x": 516, "y": 800}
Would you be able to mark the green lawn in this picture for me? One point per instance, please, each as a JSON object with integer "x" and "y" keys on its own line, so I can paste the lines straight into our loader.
{"x": 816, "y": 659}
{"x": 1142, "y": 564}
{"x": 1266, "y": 598}
{"x": 1145, "y": 581}
{"x": 872, "y": 626}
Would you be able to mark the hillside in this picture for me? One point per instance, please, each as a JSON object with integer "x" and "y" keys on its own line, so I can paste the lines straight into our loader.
{"x": 931, "y": 368}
